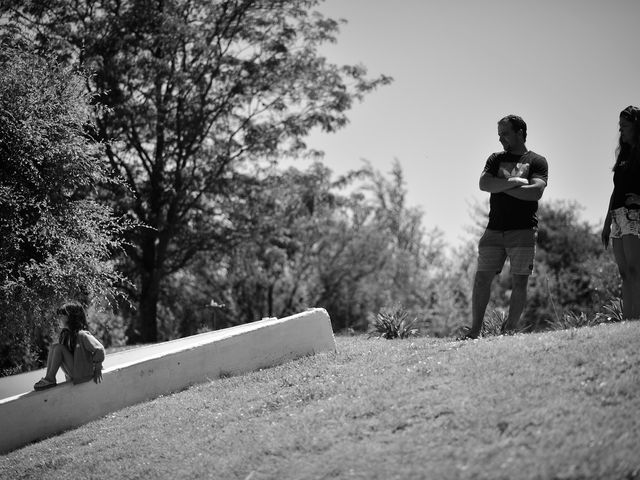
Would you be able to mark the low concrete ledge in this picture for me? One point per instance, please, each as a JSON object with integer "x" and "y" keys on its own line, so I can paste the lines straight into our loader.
{"x": 144, "y": 373}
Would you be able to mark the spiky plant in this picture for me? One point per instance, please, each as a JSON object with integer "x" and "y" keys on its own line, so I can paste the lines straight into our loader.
{"x": 574, "y": 320}
{"x": 393, "y": 323}
{"x": 492, "y": 325}
{"x": 613, "y": 311}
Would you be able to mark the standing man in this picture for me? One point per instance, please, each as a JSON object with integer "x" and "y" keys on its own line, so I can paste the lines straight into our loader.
{"x": 516, "y": 179}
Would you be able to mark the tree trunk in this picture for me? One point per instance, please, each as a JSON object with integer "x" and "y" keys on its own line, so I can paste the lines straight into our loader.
{"x": 148, "y": 308}
{"x": 145, "y": 325}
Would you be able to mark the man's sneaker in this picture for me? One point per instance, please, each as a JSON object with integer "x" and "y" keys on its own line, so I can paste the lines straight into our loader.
{"x": 43, "y": 384}
{"x": 508, "y": 331}
{"x": 465, "y": 334}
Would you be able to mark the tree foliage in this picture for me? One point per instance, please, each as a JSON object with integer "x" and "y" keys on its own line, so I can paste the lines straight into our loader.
{"x": 198, "y": 92}
{"x": 55, "y": 243}
{"x": 348, "y": 244}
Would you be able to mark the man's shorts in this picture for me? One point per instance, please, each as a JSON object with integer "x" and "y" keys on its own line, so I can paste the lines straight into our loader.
{"x": 496, "y": 245}
{"x": 625, "y": 221}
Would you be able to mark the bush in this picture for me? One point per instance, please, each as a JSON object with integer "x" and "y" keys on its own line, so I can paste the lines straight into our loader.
{"x": 107, "y": 326}
{"x": 55, "y": 242}
{"x": 493, "y": 323}
{"x": 392, "y": 323}
{"x": 612, "y": 313}
{"x": 573, "y": 320}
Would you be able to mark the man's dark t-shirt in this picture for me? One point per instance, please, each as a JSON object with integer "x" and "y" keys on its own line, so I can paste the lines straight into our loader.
{"x": 507, "y": 212}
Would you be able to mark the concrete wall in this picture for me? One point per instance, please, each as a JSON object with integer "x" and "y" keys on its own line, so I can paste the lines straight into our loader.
{"x": 145, "y": 373}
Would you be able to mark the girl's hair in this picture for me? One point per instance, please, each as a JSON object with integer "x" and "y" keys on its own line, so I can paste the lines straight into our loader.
{"x": 76, "y": 320}
{"x": 629, "y": 154}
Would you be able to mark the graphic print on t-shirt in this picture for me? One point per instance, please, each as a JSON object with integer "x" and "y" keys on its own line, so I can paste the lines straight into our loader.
{"x": 512, "y": 169}
{"x": 507, "y": 212}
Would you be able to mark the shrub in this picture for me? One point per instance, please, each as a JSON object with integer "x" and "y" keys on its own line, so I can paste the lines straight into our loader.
{"x": 55, "y": 241}
{"x": 108, "y": 327}
{"x": 613, "y": 311}
{"x": 492, "y": 324}
{"x": 572, "y": 320}
{"x": 393, "y": 323}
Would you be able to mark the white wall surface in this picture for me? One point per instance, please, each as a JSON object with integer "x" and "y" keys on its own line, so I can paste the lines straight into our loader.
{"x": 144, "y": 373}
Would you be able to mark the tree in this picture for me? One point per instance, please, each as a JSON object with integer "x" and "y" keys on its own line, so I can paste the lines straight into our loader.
{"x": 315, "y": 244}
{"x": 55, "y": 244}
{"x": 197, "y": 91}
{"x": 349, "y": 244}
{"x": 303, "y": 247}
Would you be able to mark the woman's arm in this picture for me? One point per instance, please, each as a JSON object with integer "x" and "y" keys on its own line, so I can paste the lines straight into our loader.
{"x": 606, "y": 228}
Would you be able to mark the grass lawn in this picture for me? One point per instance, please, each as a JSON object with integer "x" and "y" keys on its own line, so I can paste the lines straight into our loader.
{"x": 558, "y": 405}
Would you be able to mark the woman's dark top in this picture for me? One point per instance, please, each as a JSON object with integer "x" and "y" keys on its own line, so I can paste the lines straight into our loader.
{"x": 626, "y": 179}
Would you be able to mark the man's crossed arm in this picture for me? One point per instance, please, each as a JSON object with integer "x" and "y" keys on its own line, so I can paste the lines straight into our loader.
{"x": 515, "y": 186}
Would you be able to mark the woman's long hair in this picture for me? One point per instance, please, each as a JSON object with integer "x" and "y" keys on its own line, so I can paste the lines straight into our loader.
{"x": 628, "y": 155}
{"x": 76, "y": 320}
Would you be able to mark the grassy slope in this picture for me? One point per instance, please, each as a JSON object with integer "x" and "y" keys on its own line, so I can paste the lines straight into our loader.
{"x": 562, "y": 405}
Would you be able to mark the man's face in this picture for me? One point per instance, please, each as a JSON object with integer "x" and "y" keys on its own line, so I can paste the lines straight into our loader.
{"x": 508, "y": 137}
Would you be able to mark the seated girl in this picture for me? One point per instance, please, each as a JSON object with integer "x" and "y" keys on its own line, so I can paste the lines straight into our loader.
{"x": 78, "y": 352}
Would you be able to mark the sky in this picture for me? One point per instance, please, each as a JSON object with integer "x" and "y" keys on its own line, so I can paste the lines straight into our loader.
{"x": 568, "y": 67}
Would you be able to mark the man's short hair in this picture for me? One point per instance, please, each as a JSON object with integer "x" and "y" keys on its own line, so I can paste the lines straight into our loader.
{"x": 517, "y": 123}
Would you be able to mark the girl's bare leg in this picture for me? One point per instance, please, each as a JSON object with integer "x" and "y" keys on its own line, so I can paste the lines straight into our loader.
{"x": 58, "y": 354}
